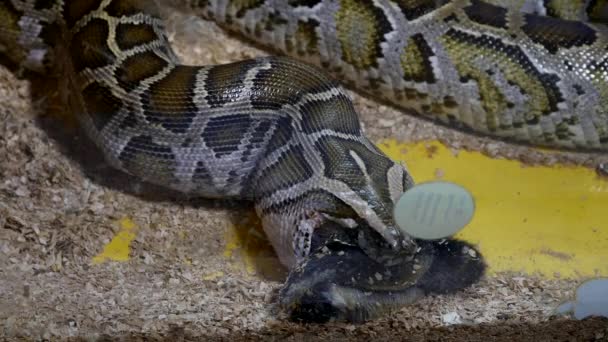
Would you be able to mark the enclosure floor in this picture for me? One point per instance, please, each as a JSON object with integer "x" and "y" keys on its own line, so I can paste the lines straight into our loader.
{"x": 86, "y": 251}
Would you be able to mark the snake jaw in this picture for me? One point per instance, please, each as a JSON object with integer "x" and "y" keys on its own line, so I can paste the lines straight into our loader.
{"x": 383, "y": 251}
{"x": 373, "y": 202}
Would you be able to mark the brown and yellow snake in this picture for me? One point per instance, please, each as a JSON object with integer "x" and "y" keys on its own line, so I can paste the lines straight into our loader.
{"x": 282, "y": 134}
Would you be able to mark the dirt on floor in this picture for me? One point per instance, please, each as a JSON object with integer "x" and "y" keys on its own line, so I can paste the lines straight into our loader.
{"x": 60, "y": 204}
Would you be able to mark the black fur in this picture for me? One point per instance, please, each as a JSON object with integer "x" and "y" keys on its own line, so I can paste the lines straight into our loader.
{"x": 452, "y": 269}
{"x": 448, "y": 266}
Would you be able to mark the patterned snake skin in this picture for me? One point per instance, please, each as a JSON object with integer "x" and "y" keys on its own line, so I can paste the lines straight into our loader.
{"x": 282, "y": 134}
{"x": 470, "y": 64}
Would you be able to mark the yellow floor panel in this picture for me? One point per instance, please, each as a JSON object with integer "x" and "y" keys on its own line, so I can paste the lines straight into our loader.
{"x": 119, "y": 248}
{"x": 550, "y": 221}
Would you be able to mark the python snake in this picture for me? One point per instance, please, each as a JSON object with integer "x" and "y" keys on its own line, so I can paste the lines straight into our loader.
{"x": 285, "y": 136}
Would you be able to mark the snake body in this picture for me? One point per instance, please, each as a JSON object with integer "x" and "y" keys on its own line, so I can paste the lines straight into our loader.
{"x": 285, "y": 136}
{"x": 472, "y": 64}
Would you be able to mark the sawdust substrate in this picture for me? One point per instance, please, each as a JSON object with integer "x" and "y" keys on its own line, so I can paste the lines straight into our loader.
{"x": 59, "y": 204}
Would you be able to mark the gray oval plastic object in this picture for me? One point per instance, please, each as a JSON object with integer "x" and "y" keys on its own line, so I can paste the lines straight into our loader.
{"x": 434, "y": 210}
{"x": 591, "y": 300}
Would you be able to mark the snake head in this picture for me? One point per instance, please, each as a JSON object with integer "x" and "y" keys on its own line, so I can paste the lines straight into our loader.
{"x": 356, "y": 193}
{"x": 369, "y": 183}
{"x": 351, "y": 261}
{"x": 348, "y": 259}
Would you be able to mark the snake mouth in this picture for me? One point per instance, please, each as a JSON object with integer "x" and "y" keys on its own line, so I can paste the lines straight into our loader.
{"x": 382, "y": 251}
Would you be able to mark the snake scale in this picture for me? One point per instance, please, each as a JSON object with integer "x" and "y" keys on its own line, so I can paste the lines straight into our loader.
{"x": 282, "y": 134}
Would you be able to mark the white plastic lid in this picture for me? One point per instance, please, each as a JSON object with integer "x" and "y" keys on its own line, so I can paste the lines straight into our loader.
{"x": 434, "y": 210}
